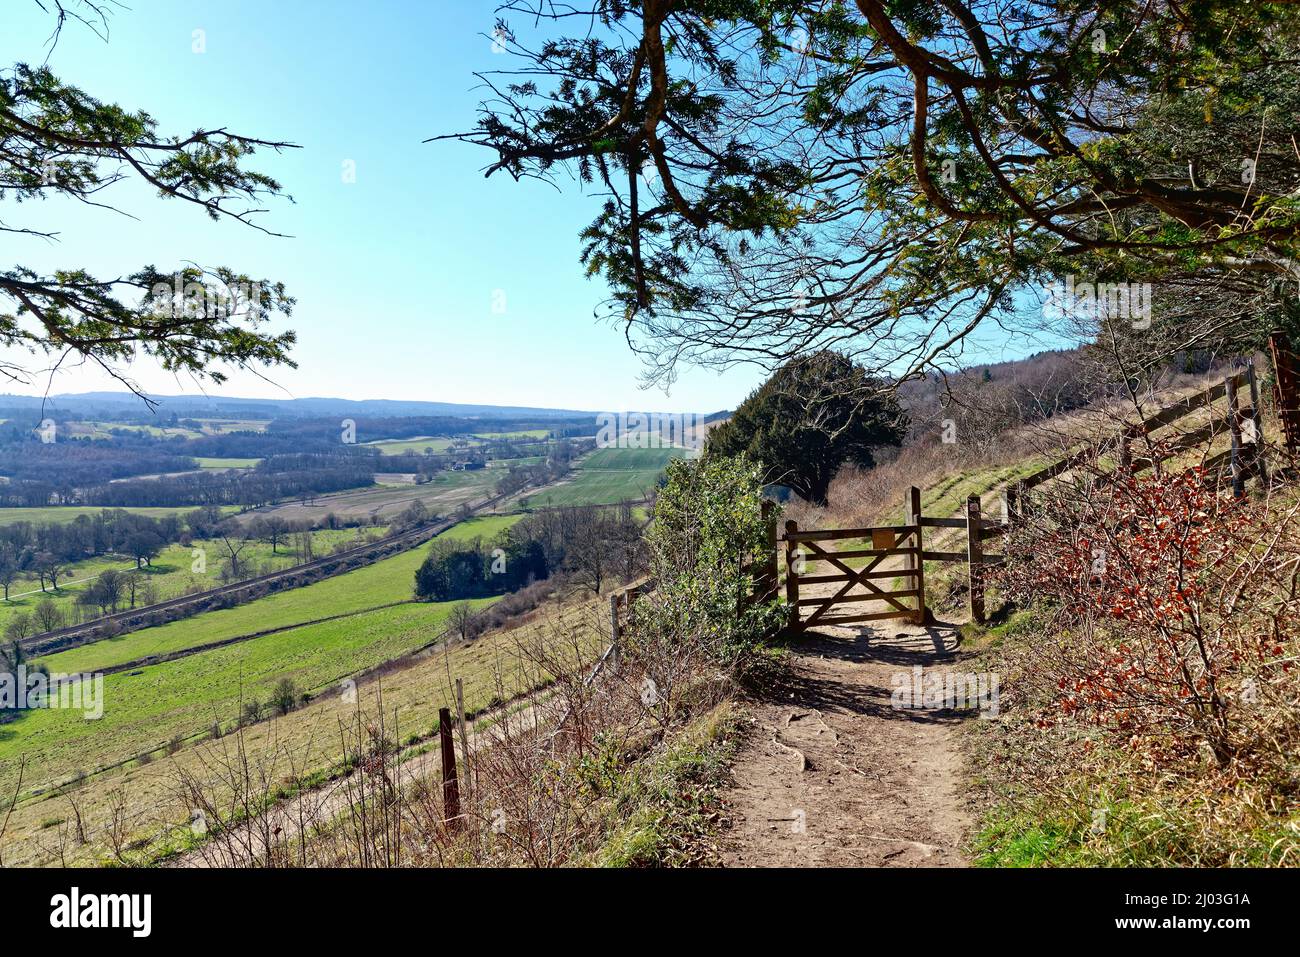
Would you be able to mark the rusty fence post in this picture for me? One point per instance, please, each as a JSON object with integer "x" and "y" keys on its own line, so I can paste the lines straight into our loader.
{"x": 974, "y": 558}
{"x": 450, "y": 786}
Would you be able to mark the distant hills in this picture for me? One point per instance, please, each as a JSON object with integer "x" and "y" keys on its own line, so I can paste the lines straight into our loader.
{"x": 221, "y": 407}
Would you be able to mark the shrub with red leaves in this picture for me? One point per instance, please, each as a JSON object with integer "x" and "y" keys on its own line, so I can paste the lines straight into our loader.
{"x": 1179, "y": 618}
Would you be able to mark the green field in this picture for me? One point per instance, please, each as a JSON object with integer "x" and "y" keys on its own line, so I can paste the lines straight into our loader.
{"x": 69, "y": 513}
{"x": 146, "y": 707}
{"x": 629, "y": 459}
{"x": 104, "y": 430}
{"x": 386, "y": 581}
{"x": 207, "y": 462}
{"x": 307, "y": 738}
{"x": 226, "y": 426}
{"x": 171, "y": 573}
{"x": 597, "y": 488}
{"x": 608, "y": 476}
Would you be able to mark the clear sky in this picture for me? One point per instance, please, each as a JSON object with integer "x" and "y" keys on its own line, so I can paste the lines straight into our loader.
{"x": 395, "y": 273}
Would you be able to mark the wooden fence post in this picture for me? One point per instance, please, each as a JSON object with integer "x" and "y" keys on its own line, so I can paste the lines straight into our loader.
{"x": 450, "y": 787}
{"x": 916, "y": 561}
{"x": 614, "y": 629}
{"x": 1257, "y": 419}
{"x": 791, "y": 575}
{"x": 1234, "y": 426}
{"x": 974, "y": 558}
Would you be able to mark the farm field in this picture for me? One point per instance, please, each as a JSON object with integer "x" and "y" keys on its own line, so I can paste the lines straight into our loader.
{"x": 301, "y": 744}
{"x": 171, "y": 573}
{"x": 146, "y": 708}
{"x": 208, "y": 462}
{"x": 226, "y": 426}
{"x": 608, "y": 476}
{"x": 596, "y": 488}
{"x": 443, "y": 494}
{"x": 629, "y": 459}
{"x": 386, "y": 581}
{"x": 70, "y": 513}
{"x": 104, "y": 430}
{"x": 416, "y": 445}
{"x": 520, "y": 434}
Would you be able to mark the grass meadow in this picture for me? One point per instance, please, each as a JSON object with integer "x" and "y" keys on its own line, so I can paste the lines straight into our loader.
{"x": 146, "y": 708}
{"x": 305, "y": 744}
{"x": 210, "y": 462}
{"x": 384, "y": 582}
{"x": 608, "y": 476}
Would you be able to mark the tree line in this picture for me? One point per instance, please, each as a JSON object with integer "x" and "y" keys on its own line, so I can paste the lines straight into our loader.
{"x": 78, "y": 462}
{"x": 585, "y": 544}
{"x": 301, "y": 476}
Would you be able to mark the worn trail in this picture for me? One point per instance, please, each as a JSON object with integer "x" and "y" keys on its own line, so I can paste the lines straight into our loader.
{"x": 834, "y": 775}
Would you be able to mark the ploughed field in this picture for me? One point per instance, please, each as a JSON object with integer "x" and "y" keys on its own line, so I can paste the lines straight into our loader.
{"x": 443, "y": 495}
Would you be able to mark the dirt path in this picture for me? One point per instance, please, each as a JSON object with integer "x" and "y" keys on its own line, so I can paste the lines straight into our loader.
{"x": 834, "y": 775}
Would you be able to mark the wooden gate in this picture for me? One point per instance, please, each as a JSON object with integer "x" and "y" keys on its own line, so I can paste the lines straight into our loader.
{"x": 905, "y": 542}
{"x": 887, "y": 542}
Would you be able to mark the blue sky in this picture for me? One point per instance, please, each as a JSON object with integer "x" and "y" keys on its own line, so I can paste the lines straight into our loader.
{"x": 395, "y": 274}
